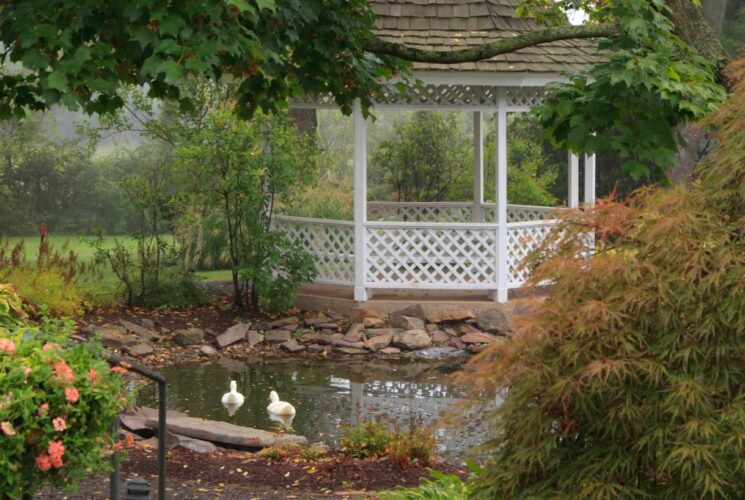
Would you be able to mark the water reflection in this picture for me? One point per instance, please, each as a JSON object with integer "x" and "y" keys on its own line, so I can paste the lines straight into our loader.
{"x": 326, "y": 394}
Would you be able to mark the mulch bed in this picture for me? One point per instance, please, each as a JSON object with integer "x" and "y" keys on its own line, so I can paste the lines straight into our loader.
{"x": 234, "y": 474}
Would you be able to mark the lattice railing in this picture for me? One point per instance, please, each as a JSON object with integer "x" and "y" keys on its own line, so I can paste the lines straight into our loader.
{"x": 518, "y": 213}
{"x": 430, "y": 255}
{"x": 330, "y": 242}
{"x": 522, "y": 238}
{"x": 419, "y": 211}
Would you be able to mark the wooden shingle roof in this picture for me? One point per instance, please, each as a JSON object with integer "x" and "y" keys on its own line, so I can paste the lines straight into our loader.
{"x": 450, "y": 24}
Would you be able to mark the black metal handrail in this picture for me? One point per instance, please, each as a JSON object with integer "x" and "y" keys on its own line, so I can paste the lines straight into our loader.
{"x": 155, "y": 377}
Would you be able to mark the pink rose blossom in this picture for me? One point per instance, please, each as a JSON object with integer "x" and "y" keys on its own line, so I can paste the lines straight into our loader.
{"x": 7, "y": 428}
{"x": 71, "y": 394}
{"x": 43, "y": 463}
{"x": 7, "y": 345}
{"x": 59, "y": 424}
{"x": 63, "y": 372}
{"x": 56, "y": 450}
{"x": 93, "y": 376}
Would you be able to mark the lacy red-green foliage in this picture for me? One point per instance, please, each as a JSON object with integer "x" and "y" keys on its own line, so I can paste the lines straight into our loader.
{"x": 629, "y": 380}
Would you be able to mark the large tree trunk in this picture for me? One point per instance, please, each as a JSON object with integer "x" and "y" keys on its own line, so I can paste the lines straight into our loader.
{"x": 714, "y": 11}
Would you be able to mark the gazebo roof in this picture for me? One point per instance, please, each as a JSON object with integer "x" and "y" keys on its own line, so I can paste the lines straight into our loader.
{"x": 448, "y": 24}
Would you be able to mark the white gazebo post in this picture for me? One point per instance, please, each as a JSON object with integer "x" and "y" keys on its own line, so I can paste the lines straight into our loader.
{"x": 477, "y": 212}
{"x": 360, "y": 201}
{"x": 573, "y": 193}
{"x": 500, "y": 294}
{"x": 589, "y": 180}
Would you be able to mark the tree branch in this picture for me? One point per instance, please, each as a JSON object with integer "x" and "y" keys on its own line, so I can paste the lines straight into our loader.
{"x": 489, "y": 50}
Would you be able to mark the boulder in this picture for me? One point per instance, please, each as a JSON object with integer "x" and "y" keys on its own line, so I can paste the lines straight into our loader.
{"x": 277, "y": 336}
{"x": 413, "y": 339}
{"x": 354, "y": 334}
{"x": 450, "y": 316}
{"x": 390, "y": 350}
{"x": 358, "y": 314}
{"x": 440, "y": 337}
{"x": 136, "y": 424}
{"x": 292, "y": 346}
{"x": 114, "y": 339}
{"x": 492, "y": 320}
{"x": 225, "y": 433}
{"x": 374, "y": 332}
{"x": 379, "y": 342}
{"x": 138, "y": 330}
{"x": 189, "y": 336}
{"x": 208, "y": 350}
{"x": 147, "y": 323}
{"x": 137, "y": 350}
{"x": 479, "y": 338}
{"x": 254, "y": 338}
{"x": 350, "y": 350}
{"x": 283, "y": 322}
{"x": 196, "y": 445}
{"x": 414, "y": 310}
{"x": 465, "y": 328}
{"x": 457, "y": 343}
{"x": 407, "y": 322}
{"x": 234, "y": 334}
{"x": 373, "y": 323}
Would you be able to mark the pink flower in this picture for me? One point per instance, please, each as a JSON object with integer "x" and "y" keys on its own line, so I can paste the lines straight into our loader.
{"x": 56, "y": 450}
{"x": 63, "y": 372}
{"x": 43, "y": 409}
{"x": 7, "y": 345}
{"x": 71, "y": 394}
{"x": 93, "y": 376}
{"x": 119, "y": 369}
{"x": 27, "y": 370}
{"x": 50, "y": 346}
{"x": 7, "y": 428}
{"x": 43, "y": 463}
{"x": 59, "y": 424}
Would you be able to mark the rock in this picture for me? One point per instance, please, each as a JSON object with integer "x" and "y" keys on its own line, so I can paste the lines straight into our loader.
{"x": 358, "y": 314}
{"x": 276, "y": 336}
{"x": 475, "y": 348}
{"x": 440, "y": 337}
{"x": 479, "y": 338}
{"x": 210, "y": 332}
{"x": 432, "y": 328}
{"x": 314, "y": 348}
{"x": 208, "y": 350}
{"x": 373, "y": 323}
{"x": 292, "y": 327}
{"x": 413, "y": 339}
{"x": 283, "y": 322}
{"x": 115, "y": 339}
{"x": 137, "y": 350}
{"x": 450, "y": 316}
{"x": 465, "y": 328}
{"x": 254, "y": 338}
{"x": 137, "y": 425}
{"x": 196, "y": 445}
{"x": 492, "y": 320}
{"x": 171, "y": 441}
{"x": 138, "y": 330}
{"x": 152, "y": 413}
{"x": 379, "y": 342}
{"x": 354, "y": 334}
{"x": 147, "y": 323}
{"x": 414, "y": 310}
{"x": 331, "y": 326}
{"x": 316, "y": 321}
{"x": 350, "y": 350}
{"x": 457, "y": 343}
{"x": 292, "y": 346}
{"x": 225, "y": 433}
{"x": 233, "y": 365}
{"x": 234, "y": 334}
{"x": 263, "y": 326}
{"x": 390, "y": 350}
{"x": 438, "y": 352}
{"x": 407, "y": 322}
{"x": 374, "y": 332}
{"x": 190, "y": 336}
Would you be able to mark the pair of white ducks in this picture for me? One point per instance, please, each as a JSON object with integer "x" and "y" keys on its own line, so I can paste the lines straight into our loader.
{"x": 276, "y": 407}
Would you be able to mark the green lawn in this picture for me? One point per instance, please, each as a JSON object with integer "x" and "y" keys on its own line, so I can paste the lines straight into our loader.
{"x": 86, "y": 253}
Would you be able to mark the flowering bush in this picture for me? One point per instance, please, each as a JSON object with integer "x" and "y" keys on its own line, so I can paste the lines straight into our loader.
{"x": 58, "y": 402}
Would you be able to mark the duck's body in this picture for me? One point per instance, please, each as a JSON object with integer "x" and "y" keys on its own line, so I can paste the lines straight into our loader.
{"x": 278, "y": 407}
{"x": 233, "y": 397}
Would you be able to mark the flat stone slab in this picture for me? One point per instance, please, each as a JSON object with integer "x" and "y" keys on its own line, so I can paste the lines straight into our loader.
{"x": 137, "y": 350}
{"x": 277, "y": 336}
{"x": 480, "y": 338}
{"x": 450, "y": 316}
{"x": 254, "y": 338}
{"x": 234, "y": 334}
{"x": 138, "y": 330}
{"x": 225, "y": 433}
{"x": 190, "y": 336}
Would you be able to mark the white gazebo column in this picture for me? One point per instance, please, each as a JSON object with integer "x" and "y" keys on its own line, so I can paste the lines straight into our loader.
{"x": 477, "y": 211}
{"x": 360, "y": 201}
{"x": 500, "y": 294}
{"x": 589, "y": 198}
{"x": 573, "y": 177}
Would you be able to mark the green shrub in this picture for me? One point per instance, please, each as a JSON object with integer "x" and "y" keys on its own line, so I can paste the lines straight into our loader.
{"x": 628, "y": 380}
{"x": 415, "y": 446}
{"x": 441, "y": 487}
{"x": 368, "y": 438}
{"x": 58, "y": 402}
{"x": 48, "y": 290}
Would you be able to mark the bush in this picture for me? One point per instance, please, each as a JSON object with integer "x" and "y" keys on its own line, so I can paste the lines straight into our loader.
{"x": 415, "y": 446}
{"x": 371, "y": 438}
{"x": 47, "y": 290}
{"x": 628, "y": 381}
{"x": 441, "y": 487}
{"x": 366, "y": 439}
{"x": 58, "y": 402}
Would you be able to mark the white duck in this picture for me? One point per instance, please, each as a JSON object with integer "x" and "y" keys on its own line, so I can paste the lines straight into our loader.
{"x": 278, "y": 407}
{"x": 233, "y": 398}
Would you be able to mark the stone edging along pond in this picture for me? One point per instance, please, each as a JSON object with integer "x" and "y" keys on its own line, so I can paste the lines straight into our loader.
{"x": 362, "y": 333}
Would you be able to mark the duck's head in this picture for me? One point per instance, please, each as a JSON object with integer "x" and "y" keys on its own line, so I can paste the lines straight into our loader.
{"x": 273, "y": 396}
{"x": 233, "y": 386}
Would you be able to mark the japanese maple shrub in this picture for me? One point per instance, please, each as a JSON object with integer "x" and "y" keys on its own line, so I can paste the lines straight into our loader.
{"x": 58, "y": 402}
{"x": 629, "y": 381}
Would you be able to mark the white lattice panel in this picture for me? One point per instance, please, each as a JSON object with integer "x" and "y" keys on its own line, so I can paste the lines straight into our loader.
{"x": 430, "y": 257}
{"x": 445, "y": 95}
{"x": 411, "y": 212}
{"x": 518, "y": 213}
{"x": 522, "y": 97}
{"x": 521, "y": 241}
{"x": 331, "y": 244}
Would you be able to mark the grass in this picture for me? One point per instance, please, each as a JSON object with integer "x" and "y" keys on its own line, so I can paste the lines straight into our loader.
{"x": 86, "y": 253}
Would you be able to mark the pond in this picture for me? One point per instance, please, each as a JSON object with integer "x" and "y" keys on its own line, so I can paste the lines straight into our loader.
{"x": 328, "y": 394}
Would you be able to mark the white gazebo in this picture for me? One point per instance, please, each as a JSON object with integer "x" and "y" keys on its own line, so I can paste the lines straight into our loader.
{"x": 448, "y": 245}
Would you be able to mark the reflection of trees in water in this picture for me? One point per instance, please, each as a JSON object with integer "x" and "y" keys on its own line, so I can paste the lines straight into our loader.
{"x": 325, "y": 394}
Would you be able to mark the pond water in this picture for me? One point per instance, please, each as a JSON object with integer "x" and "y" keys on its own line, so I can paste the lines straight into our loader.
{"x": 327, "y": 394}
